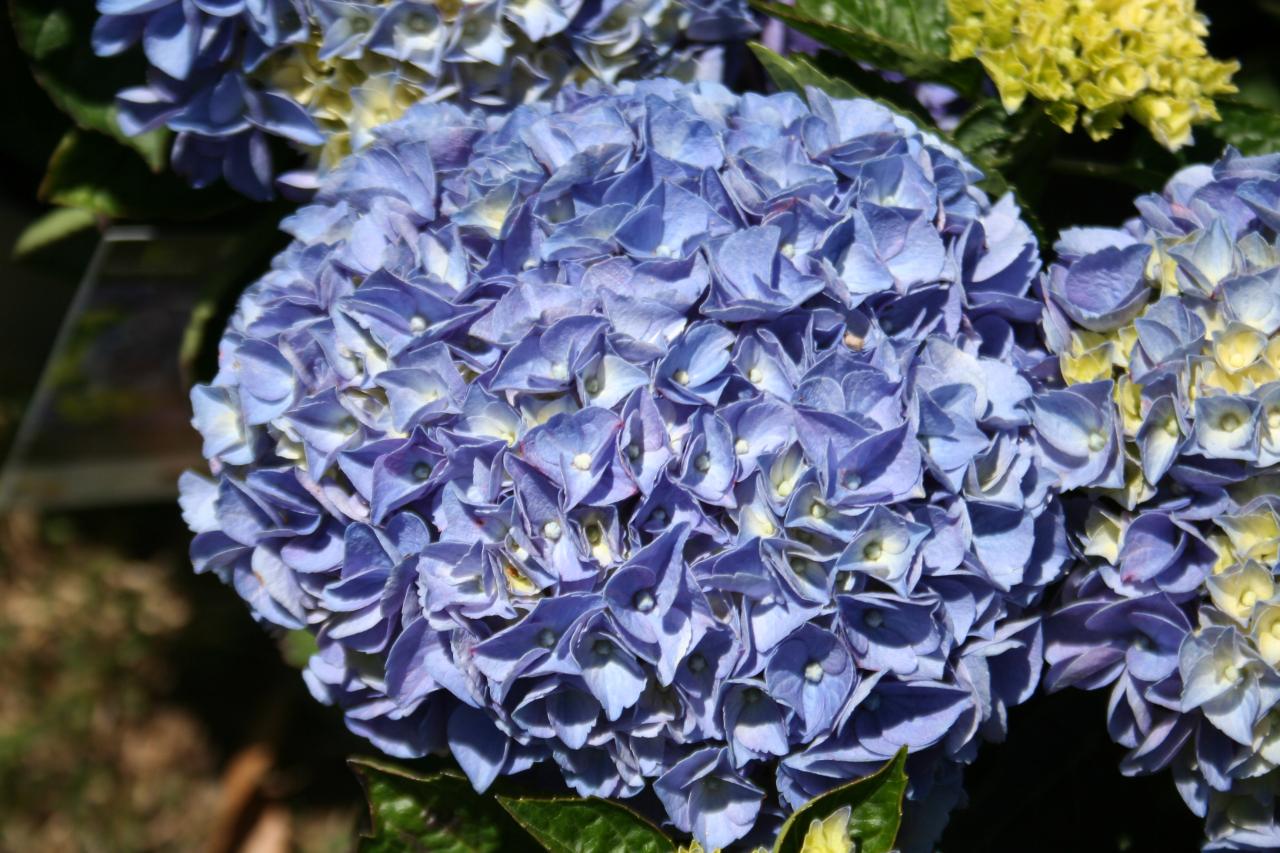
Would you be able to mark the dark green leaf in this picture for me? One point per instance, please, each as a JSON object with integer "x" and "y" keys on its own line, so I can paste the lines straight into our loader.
{"x": 570, "y": 825}
{"x": 440, "y": 813}
{"x": 88, "y": 171}
{"x": 53, "y": 227}
{"x": 876, "y": 803}
{"x": 903, "y": 40}
{"x": 56, "y": 37}
{"x": 1251, "y": 128}
{"x": 984, "y": 132}
{"x": 917, "y": 25}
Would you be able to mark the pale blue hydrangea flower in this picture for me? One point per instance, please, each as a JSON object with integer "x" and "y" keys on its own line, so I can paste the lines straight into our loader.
{"x": 229, "y": 75}
{"x": 1168, "y": 327}
{"x": 675, "y": 437}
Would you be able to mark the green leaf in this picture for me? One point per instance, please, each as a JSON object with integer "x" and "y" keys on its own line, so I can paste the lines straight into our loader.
{"x": 876, "y": 804}
{"x": 53, "y": 227}
{"x": 907, "y": 36}
{"x": 56, "y": 38}
{"x": 440, "y": 812}
{"x": 88, "y": 171}
{"x": 917, "y": 25}
{"x": 984, "y": 133}
{"x": 571, "y": 825}
{"x": 794, "y": 73}
{"x": 1251, "y": 128}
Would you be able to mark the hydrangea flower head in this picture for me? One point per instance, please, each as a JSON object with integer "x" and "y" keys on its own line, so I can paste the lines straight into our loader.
{"x": 228, "y": 75}
{"x": 1169, "y": 334}
{"x": 678, "y": 438}
{"x": 1094, "y": 61}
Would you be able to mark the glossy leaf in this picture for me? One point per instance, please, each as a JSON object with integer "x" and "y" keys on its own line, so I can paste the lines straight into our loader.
{"x": 56, "y": 38}
{"x": 794, "y": 73}
{"x": 440, "y": 812}
{"x": 571, "y": 825}
{"x": 910, "y": 40}
{"x": 876, "y": 803}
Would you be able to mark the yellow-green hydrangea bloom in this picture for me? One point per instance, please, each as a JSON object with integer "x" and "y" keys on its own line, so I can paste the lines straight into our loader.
{"x": 830, "y": 835}
{"x": 1094, "y": 61}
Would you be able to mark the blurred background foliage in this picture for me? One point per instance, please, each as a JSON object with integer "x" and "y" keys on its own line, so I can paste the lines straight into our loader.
{"x": 140, "y": 707}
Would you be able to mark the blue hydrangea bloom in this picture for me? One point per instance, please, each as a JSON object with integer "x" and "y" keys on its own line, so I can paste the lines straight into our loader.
{"x": 678, "y": 438}
{"x": 229, "y": 75}
{"x": 1166, "y": 330}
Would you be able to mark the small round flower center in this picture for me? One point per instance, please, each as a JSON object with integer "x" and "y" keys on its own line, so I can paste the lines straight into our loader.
{"x": 755, "y": 376}
{"x": 552, "y": 530}
{"x": 633, "y": 451}
{"x": 784, "y": 490}
{"x": 360, "y": 25}
{"x": 418, "y": 22}
{"x": 1273, "y": 419}
{"x": 595, "y": 534}
{"x": 1275, "y": 629}
{"x": 659, "y": 515}
{"x": 852, "y": 481}
{"x": 697, "y": 663}
{"x": 421, "y": 471}
{"x": 664, "y": 251}
{"x": 643, "y": 601}
{"x": 813, "y": 672}
{"x": 1229, "y": 422}
{"x": 681, "y": 377}
{"x": 592, "y": 385}
{"x": 741, "y": 446}
{"x": 1229, "y": 672}
{"x": 602, "y": 648}
{"x": 546, "y": 638}
{"x": 348, "y": 425}
{"x": 854, "y": 342}
{"x": 1248, "y": 598}
{"x": 872, "y": 550}
{"x": 702, "y": 463}
{"x": 873, "y": 618}
{"x": 1171, "y": 427}
{"x": 417, "y": 323}
{"x": 818, "y": 510}
{"x": 582, "y": 461}
{"x": 1097, "y": 441}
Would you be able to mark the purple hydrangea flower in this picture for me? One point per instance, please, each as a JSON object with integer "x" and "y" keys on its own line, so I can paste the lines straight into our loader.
{"x": 228, "y": 75}
{"x": 676, "y": 437}
{"x": 1167, "y": 328}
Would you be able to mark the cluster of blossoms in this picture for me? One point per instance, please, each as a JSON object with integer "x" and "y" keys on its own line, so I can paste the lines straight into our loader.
{"x": 680, "y": 438}
{"x": 226, "y": 75}
{"x": 1094, "y": 61}
{"x": 1169, "y": 335}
